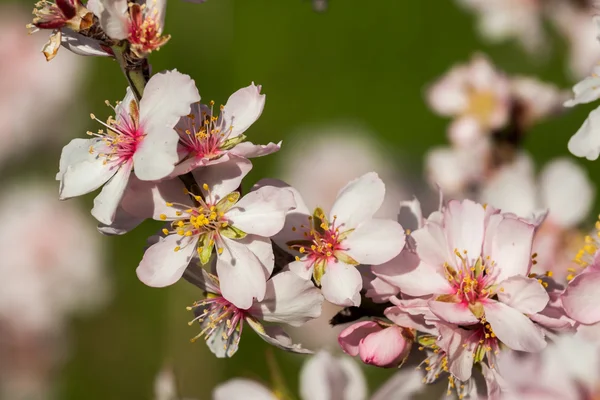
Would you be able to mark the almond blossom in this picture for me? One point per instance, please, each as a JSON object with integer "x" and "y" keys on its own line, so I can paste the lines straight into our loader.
{"x": 141, "y": 137}
{"x": 329, "y": 248}
{"x": 206, "y": 139}
{"x": 325, "y": 377}
{"x": 217, "y": 219}
{"x": 140, "y": 23}
{"x": 473, "y": 274}
{"x": 289, "y": 299}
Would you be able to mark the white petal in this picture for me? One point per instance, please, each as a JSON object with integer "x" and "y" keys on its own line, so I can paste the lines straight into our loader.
{"x": 242, "y": 389}
{"x": 289, "y": 299}
{"x": 123, "y": 223}
{"x": 524, "y": 294}
{"x": 302, "y": 268}
{"x": 567, "y": 191}
{"x": 586, "y": 142}
{"x": 275, "y": 335}
{"x": 375, "y": 241}
{"x": 163, "y": 266}
{"x": 243, "y": 108}
{"x": 263, "y": 250}
{"x": 587, "y": 90}
{"x": 262, "y": 212}
{"x": 149, "y": 199}
{"x": 86, "y": 173}
{"x": 251, "y": 150}
{"x": 404, "y": 384}
{"x": 75, "y": 152}
{"x": 241, "y": 274}
{"x": 198, "y": 276}
{"x": 511, "y": 248}
{"x": 114, "y": 18}
{"x": 222, "y": 178}
{"x": 107, "y": 201}
{"x": 82, "y": 45}
{"x": 167, "y": 97}
{"x": 464, "y": 227}
{"x": 219, "y": 343}
{"x": 358, "y": 201}
{"x": 455, "y": 342}
{"x": 513, "y": 328}
{"x": 341, "y": 284}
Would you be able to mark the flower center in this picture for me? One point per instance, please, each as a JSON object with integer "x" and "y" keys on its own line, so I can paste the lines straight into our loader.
{"x": 122, "y": 137}
{"x": 482, "y": 105}
{"x": 588, "y": 252}
{"x": 323, "y": 239}
{"x": 472, "y": 282}
{"x": 217, "y": 314}
{"x": 145, "y": 29}
{"x": 202, "y": 133}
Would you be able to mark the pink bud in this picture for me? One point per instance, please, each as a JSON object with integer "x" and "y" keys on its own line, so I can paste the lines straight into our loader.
{"x": 350, "y": 338}
{"x": 386, "y": 348}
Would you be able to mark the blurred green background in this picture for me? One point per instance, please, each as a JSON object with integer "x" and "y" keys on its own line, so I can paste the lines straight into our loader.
{"x": 360, "y": 61}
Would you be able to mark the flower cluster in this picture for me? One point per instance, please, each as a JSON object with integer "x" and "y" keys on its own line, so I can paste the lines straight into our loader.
{"x": 489, "y": 275}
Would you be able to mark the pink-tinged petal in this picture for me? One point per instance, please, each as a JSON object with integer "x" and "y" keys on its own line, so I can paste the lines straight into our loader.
{"x": 375, "y": 241}
{"x": 262, "y": 212}
{"x": 586, "y": 141}
{"x": 447, "y": 96}
{"x": 324, "y": 377}
{"x": 243, "y": 109}
{"x": 158, "y": 8}
{"x": 289, "y": 299}
{"x": 358, "y": 201}
{"x": 460, "y": 357}
{"x": 149, "y": 199}
{"x": 167, "y": 97}
{"x": 432, "y": 246}
{"x": 163, "y": 266}
{"x": 413, "y": 277}
{"x": 199, "y": 277}
{"x": 581, "y": 299}
{"x": 491, "y": 228}
{"x": 223, "y": 178}
{"x": 464, "y": 223}
{"x": 403, "y": 318}
{"x": 107, "y": 201}
{"x": 465, "y": 131}
{"x": 379, "y": 290}
{"x": 276, "y": 336}
{"x": 303, "y": 268}
{"x": 241, "y": 274}
{"x": 453, "y": 313}
{"x": 123, "y": 223}
{"x": 81, "y": 172}
{"x": 511, "y": 248}
{"x": 524, "y": 294}
{"x": 113, "y": 18}
{"x": 513, "y": 328}
{"x": 251, "y": 150}
{"x": 387, "y": 348}
{"x": 294, "y": 221}
{"x": 263, "y": 250}
{"x": 404, "y": 384}
{"x": 350, "y": 338}
{"x": 242, "y": 389}
{"x": 83, "y": 45}
{"x": 341, "y": 284}
{"x": 220, "y": 343}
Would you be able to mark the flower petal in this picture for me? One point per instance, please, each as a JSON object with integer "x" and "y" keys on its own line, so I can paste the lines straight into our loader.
{"x": 464, "y": 223}
{"x": 199, "y": 277}
{"x": 242, "y": 389}
{"x": 275, "y": 335}
{"x": 262, "y": 212}
{"x": 302, "y": 268}
{"x": 432, "y": 246}
{"x": 123, "y": 223}
{"x": 404, "y": 384}
{"x": 375, "y": 241}
{"x": 107, "y": 201}
{"x": 149, "y": 199}
{"x": 358, "y": 201}
{"x": 113, "y": 18}
{"x": 524, "y": 294}
{"x": 289, "y": 299}
{"x": 586, "y": 141}
{"x": 167, "y": 97}
{"x": 83, "y": 45}
{"x": 243, "y": 109}
{"x": 387, "y": 348}
{"x": 341, "y": 284}
{"x": 511, "y": 248}
{"x": 513, "y": 328}
{"x": 350, "y": 338}
{"x": 453, "y": 313}
{"x": 263, "y": 250}
{"x": 251, "y": 150}
{"x": 587, "y": 90}
{"x": 223, "y": 178}
{"x": 455, "y": 342}
{"x": 81, "y": 172}
{"x": 582, "y": 297}
{"x": 219, "y": 342}
{"x": 241, "y": 274}
{"x": 163, "y": 266}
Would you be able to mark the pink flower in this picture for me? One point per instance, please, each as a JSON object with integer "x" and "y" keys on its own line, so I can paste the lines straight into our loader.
{"x": 330, "y": 248}
{"x": 218, "y": 218}
{"x": 289, "y": 299}
{"x": 377, "y": 344}
{"x": 141, "y": 24}
{"x": 474, "y": 271}
{"x": 140, "y": 136}
{"x": 207, "y": 139}
{"x": 477, "y": 95}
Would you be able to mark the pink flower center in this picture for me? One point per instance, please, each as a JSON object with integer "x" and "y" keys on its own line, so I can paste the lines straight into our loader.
{"x": 323, "y": 239}
{"x": 145, "y": 29}
{"x": 472, "y": 282}
{"x": 202, "y": 133}
{"x": 122, "y": 137}
{"x": 216, "y": 315}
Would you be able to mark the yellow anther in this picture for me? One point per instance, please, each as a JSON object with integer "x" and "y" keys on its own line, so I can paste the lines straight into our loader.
{"x": 165, "y": 231}
{"x": 205, "y": 186}
{"x": 176, "y": 249}
{"x": 162, "y": 216}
